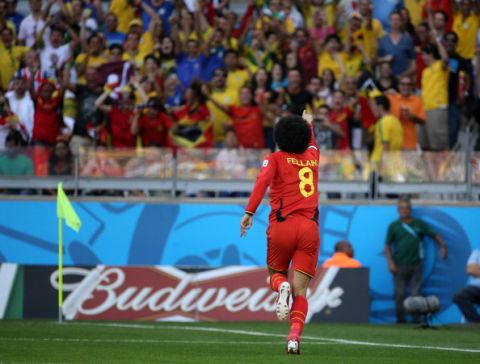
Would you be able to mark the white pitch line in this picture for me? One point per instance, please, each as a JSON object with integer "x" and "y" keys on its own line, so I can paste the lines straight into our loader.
{"x": 316, "y": 338}
{"x": 147, "y": 341}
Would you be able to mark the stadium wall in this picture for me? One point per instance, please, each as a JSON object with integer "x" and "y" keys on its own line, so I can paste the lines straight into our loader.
{"x": 196, "y": 235}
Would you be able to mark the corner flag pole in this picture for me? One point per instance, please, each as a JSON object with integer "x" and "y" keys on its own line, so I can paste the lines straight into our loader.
{"x": 60, "y": 269}
{"x": 65, "y": 212}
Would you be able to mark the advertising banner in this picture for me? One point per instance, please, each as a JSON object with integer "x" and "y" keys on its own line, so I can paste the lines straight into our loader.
{"x": 167, "y": 293}
{"x": 207, "y": 236}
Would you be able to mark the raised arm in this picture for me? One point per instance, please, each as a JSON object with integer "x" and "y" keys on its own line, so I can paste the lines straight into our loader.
{"x": 207, "y": 94}
{"x": 100, "y": 102}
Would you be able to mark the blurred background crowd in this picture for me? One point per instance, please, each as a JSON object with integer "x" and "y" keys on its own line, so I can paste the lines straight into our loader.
{"x": 88, "y": 76}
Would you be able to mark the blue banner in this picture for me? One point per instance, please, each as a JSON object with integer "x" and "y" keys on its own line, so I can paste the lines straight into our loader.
{"x": 209, "y": 236}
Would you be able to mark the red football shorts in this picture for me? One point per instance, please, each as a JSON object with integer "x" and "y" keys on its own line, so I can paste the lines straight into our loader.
{"x": 294, "y": 240}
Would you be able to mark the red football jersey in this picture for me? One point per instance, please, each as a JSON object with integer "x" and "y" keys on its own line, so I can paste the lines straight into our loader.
{"x": 293, "y": 181}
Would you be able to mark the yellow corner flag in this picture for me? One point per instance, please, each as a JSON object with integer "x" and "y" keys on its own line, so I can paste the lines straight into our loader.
{"x": 65, "y": 210}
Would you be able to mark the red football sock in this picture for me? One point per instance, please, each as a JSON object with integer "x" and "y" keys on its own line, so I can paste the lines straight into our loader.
{"x": 276, "y": 279}
{"x": 298, "y": 315}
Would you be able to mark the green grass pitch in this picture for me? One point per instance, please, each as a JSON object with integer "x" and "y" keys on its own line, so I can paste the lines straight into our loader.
{"x": 232, "y": 342}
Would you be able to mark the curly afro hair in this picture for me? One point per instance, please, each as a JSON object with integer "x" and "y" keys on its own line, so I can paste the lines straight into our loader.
{"x": 292, "y": 134}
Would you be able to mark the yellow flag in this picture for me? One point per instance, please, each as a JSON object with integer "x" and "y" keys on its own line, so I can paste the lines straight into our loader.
{"x": 65, "y": 210}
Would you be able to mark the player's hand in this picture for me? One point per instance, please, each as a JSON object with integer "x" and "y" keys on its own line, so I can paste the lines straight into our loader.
{"x": 307, "y": 117}
{"x": 245, "y": 224}
{"x": 392, "y": 267}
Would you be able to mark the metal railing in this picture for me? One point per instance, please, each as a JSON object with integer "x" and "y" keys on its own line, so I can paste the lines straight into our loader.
{"x": 442, "y": 175}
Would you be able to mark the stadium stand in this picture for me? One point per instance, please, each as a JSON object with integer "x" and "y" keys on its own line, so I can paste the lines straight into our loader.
{"x": 144, "y": 92}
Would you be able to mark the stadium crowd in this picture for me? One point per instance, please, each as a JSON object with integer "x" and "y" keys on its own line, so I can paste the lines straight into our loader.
{"x": 396, "y": 75}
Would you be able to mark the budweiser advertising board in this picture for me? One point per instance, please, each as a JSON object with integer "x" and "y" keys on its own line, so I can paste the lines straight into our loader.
{"x": 167, "y": 293}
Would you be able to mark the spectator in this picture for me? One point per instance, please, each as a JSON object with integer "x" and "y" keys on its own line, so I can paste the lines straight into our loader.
{"x": 87, "y": 125}
{"x": 261, "y": 85}
{"x": 382, "y": 11}
{"x": 53, "y": 52}
{"x": 164, "y": 8}
{"x": 328, "y": 86}
{"x": 166, "y": 56}
{"x": 99, "y": 162}
{"x": 9, "y": 122}
{"x": 386, "y": 81}
{"x": 459, "y": 79}
{"x": 261, "y": 52}
{"x": 111, "y": 33}
{"x": 314, "y": 86}
{"x": 414, "y": 8}
{"x": 21, "y": 104}
{"x": 332, "y": 57}
{"x": 437, "y": 22}
{"x": 388, "y": 131}
{"x": 152, "y": 73}
{"x": 372, "y": 29}
{"x": 407, "y": 25}
{"x": 407, "y": 108}
{"x": 12, "y": 161}
{"x": 11, "y": 56}
{"x": 79, "y": 16}
{"x": 445, "y": 6}
{"x": 61, "y": 160}
{"x": 131, "y": 51}
{"x": 46, "y": 118}
{"x": 220, "y": 96}
{"x": 124, "y": 10}
{"x": 279, "y": 82}
{"x": 434, "y": 135}
{"x": 342, "y": 116}
{"x": 153, "y": 34}
{"x": 468, "y": 298}
{"x": 306, "y": 54}
{"x": 363, "y": 118}
{"x": 343, "y": 256}
{"x": 295, "y": 96}
{"x": 115, "y": 65}
{"x": 5, "y": 23}
{"x": 193, "y": 127}
{"x": 231, "y": 161}
{"x": 12, "y": 14}
{"x": 32, "y": 70}
{"x": 93, "y": 56}
{"x": 247, "y": 119}
{"x": 173, "y": 95}
{"x": 397, "y": 47}
{"x": 320, "y": 28}
{"x": 31, "y": 24}
{"x": 423, "y": 39}
{"x": 404, "y": 253}
{"x": 465, "y": 24}
{"x": 216, "y": 46}
{"x": 191, "y": 63}
{"x": 119, "y": 117}
{"x": 325, "y": 131}
{"x": 152, "y": 124}
{"x": 236, "y": 77}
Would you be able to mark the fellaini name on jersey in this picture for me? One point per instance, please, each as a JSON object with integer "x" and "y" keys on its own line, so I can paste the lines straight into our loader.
{"x": 307, "y": 163}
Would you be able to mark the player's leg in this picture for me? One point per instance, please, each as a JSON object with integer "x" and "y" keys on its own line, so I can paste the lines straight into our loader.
{"x": 279, "y": 283}
{"x": 298, "y": 312}
{"x": 304, "y": 263}
{"x": 279, "y": 254}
